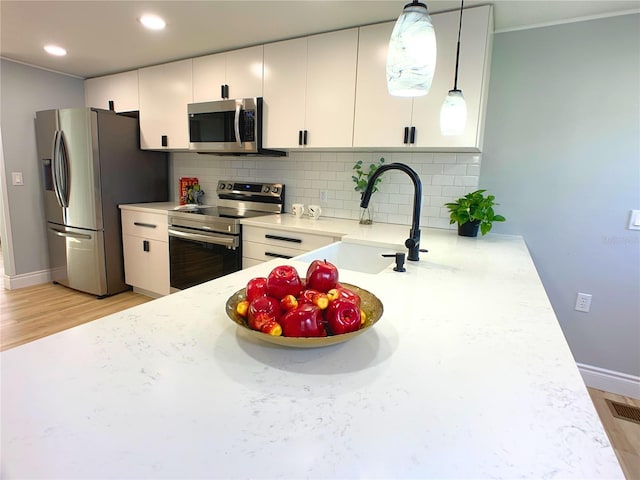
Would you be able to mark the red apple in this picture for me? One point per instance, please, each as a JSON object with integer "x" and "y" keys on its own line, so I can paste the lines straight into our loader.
{"x": 322, "y": 275}
{"x": 263, "y": 311}
{"x": 282, "y": 281}
{"x": 307, "y": 295}
{"x": 344, "y": 294}
{"x": 342, "y": 316}
{"x": 256, "y": 287}
{"x": 304, "y": 321}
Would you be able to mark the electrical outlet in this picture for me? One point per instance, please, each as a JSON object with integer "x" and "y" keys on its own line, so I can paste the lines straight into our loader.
{"x": 583, "y": 302}
{"x": 323, "y": 195}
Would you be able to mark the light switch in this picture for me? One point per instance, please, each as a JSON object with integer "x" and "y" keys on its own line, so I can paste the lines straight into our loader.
{"x": 16, "y": 178}
{"x": 634, "y": 220}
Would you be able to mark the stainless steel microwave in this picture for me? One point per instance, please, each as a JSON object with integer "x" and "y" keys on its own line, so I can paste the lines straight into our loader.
{"x": 228, "y": 127}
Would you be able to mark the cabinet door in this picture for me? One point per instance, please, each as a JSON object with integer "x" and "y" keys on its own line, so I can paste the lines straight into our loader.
{"x": 165, "y": 91}
{"x": 121, "y": 89}
{"x": 477, "y": 23}
{"x": 285, "y": 70}
{"x": 208, "y": 77}
{"x": 330, "y": 94}
{"x": 380, "y": 118}
{"x": 146, "y": 264}
{"x": 244, "y": 72}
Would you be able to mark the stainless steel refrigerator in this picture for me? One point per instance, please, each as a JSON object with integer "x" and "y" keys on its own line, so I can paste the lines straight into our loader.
{"x": 91, "y": 162}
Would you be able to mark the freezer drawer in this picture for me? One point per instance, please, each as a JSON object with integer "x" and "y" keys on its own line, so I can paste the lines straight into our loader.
{"x": 77, "y": 258}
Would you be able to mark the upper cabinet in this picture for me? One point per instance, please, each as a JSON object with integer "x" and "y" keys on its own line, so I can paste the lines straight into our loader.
{"x": 165, "y": 92}
{"x": 309, "y": 91}
{"x": 383, "y": 121}
{"x": 117, "y": 92}
{"x": 234, "y": 74}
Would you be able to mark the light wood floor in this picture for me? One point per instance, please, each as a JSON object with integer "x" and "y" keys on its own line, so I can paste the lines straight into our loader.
{"x": 34, "y": 312}
{"x": 30, "y": 313}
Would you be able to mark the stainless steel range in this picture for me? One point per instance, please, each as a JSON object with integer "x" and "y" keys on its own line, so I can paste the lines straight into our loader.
{"x": 205, "y": 242}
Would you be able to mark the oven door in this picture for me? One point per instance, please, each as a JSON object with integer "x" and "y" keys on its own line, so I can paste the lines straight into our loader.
{"x": 196, "y": 257}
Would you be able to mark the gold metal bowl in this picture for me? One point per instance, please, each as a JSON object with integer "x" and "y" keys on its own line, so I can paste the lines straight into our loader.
{"x": 371, "y": 305}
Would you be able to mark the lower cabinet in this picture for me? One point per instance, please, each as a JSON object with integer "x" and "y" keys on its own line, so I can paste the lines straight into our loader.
{"x": 263, "y": 244}
{"x": 146, "y": 252}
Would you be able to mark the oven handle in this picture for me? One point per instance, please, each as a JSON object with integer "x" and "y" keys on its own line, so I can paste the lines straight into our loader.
{"x": 225, "y": 240}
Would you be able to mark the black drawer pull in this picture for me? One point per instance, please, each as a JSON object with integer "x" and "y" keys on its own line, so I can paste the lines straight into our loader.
{"x": 277, "y": 255}
{"x": 146, "y": 225}
{"x": 284, "y": 239}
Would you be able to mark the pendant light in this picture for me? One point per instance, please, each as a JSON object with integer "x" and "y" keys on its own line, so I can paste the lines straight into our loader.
{"x": 453, "y": 115}
{"x": 411, "y": 58}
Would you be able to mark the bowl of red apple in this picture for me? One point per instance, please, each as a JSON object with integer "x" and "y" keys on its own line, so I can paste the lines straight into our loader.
{"x": 303, "y": 312}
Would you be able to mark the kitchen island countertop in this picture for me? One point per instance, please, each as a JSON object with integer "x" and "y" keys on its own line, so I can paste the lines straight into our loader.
{"x": 467, "y": 375}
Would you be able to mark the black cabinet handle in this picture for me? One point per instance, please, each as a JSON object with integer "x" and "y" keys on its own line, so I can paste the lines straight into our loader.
{"x": 284, "y": 239}
{"x": 299, "y": 137}
{"x": 413, "y": 135}
{"x": 112, "y": 107}
{"x": 145, "y": 245}
{"x": 165, "y": 141}
{"x": 406, "y": 135}
{"x": 221, "y": 91}
{"x": 147, "y": 225}
{"x": 276, "y": 255}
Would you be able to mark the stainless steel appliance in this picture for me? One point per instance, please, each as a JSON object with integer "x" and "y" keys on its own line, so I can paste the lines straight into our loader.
{"x": 228, "y": 127}
{"x": 91, "y": 162}
{"x": 206, "y": 242}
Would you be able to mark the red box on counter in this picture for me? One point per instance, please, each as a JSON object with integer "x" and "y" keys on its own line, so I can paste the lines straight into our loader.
{"x": 185, "y": 183}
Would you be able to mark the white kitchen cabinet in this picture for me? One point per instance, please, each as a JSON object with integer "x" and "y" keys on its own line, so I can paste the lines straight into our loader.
{"x": 146, "y": 252}
{"x": 118, "y": 92}
{"x": 381, "y": 119}
{"x": 165, "y": 92}
{"x": 309, "y": 91}
{"x": 263, "y": 244}
{"x": 239, "y": 70}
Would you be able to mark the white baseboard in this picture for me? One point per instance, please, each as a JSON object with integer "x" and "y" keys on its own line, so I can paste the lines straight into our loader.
{"x": 12, "y": 282}
{"x": 610, "y": 381}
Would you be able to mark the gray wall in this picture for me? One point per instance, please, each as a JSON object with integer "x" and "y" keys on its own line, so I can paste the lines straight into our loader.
{"x": 23, "y": 91}
{"x": 562, "y": 155}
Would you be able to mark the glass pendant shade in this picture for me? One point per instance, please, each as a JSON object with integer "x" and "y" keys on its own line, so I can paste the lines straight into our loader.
{"x": 411, "y": 58}
{"x": 453, "y": 115}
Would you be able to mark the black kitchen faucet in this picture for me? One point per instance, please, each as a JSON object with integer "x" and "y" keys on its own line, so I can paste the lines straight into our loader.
{"x": 413, "y": 242}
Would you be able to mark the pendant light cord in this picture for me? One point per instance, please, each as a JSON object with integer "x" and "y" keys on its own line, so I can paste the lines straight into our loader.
{"x": 455, "y": 80}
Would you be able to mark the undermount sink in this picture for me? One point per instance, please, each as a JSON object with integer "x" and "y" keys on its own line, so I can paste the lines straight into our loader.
{"x": 352, "y": 256}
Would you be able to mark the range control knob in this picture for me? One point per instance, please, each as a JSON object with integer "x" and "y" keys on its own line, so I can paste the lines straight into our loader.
{"x": 266, "y": 189}
{"x": 275, "y": 189}
{"x": 221, "y": 186}
{"x": 229, "y": 186}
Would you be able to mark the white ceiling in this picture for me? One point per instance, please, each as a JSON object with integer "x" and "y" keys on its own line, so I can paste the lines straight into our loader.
{"x": 104, "y": 37}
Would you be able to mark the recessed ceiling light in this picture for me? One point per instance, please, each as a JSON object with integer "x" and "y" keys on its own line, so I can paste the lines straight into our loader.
{"x": 152, "y": 22}
{"x": 55, "y": 50}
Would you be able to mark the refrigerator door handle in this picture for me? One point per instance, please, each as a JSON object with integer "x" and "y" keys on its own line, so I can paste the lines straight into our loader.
{"x": 59, "y": 233}
{"x": 54, "y": 167}
{"x": 63, "y": 165}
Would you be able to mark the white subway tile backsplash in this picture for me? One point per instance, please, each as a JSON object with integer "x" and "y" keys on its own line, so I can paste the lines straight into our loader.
{"x": 444, "y": 176}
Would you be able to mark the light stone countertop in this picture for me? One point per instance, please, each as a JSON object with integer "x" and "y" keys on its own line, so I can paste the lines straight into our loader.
{"x": 466, "y": 375}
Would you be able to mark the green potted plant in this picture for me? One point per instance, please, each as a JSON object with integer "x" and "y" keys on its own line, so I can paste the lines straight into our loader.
{"x": 361, "y": 179}
{"x": 472, "y": 211}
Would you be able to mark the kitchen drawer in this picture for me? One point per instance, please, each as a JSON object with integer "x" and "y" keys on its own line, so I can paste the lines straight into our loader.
{"x": 265, "y": 252}
{"x": 149, "y": 225}
{"x": 286, "y": 239}
{"x": 146, "y": 264}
